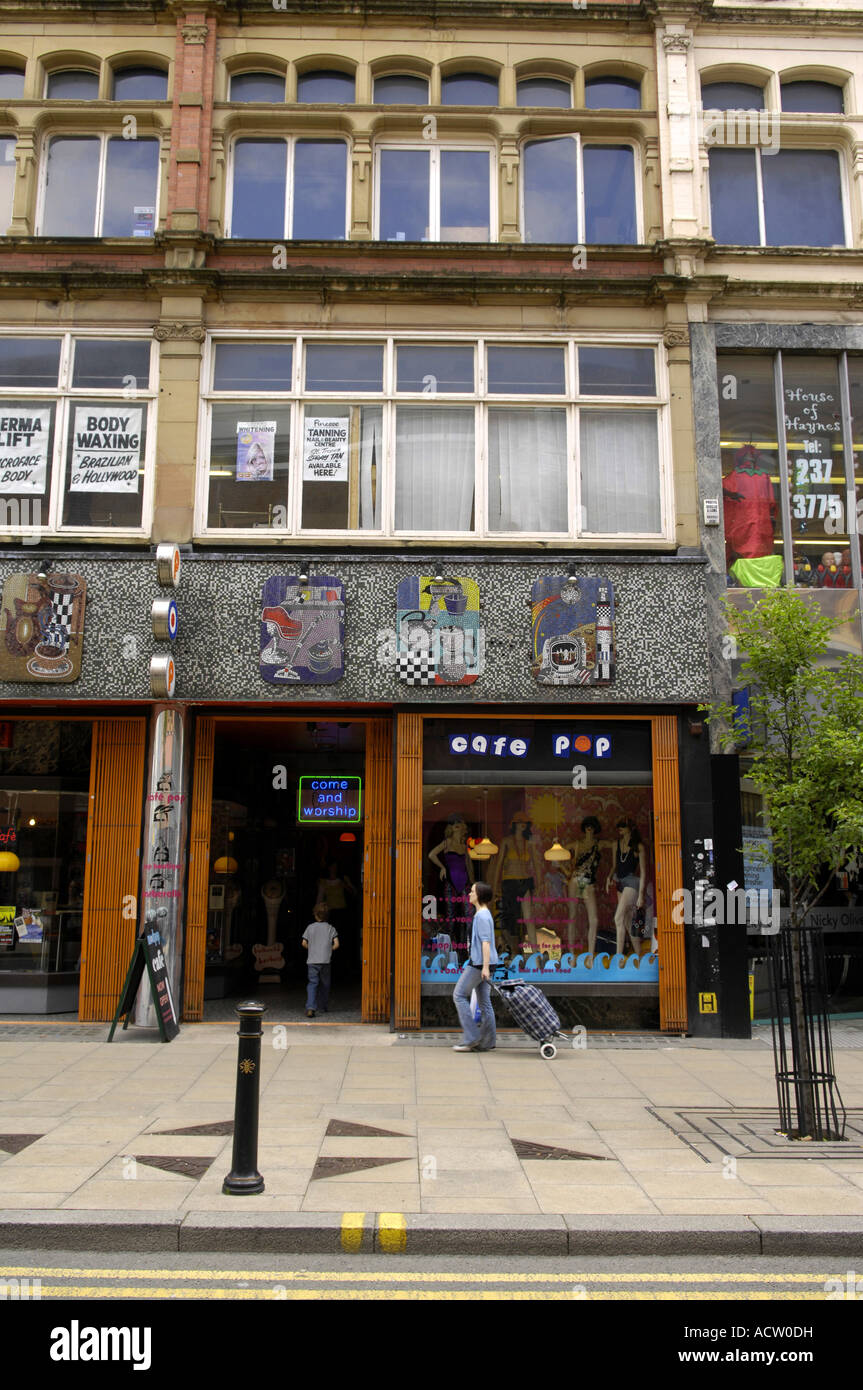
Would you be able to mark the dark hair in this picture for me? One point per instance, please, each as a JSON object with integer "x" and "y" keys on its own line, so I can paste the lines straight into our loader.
{"x": 321, "y": 912}
{"x": 528, "y": 824}
{"x": 628, "y": 824}
{"x": 591, "y": 823}
{"x": 483, "y": 892}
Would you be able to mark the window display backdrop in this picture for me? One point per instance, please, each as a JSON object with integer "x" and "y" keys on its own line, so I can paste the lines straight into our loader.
{"x": 527, "y": 787}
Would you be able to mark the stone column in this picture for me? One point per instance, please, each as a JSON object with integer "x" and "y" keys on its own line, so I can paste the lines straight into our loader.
{"x": 192, "y": 121}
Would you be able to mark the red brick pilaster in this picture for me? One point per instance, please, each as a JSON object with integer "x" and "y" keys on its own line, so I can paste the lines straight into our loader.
{"x": 192, "y": 120}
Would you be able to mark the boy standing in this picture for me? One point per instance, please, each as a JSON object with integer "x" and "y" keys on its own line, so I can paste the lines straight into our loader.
{"x": 477, "y": 976}
{"x": 320, "y": 940}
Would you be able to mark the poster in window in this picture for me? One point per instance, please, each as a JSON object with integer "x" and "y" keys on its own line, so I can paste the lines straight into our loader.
{"x": 24, "y": 448}
{"x": 256, "y": 447}
{"x": 325, "y": 449}
{"x": 42, "y": 627}
{"x": 106, "y": 448}
{"x": 572, "y": 631}
{"x": 144, "y": 224}
{"x": 28, "y": 925}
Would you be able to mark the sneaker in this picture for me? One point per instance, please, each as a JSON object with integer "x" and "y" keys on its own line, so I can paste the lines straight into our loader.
{"x": 465, "y": 1047}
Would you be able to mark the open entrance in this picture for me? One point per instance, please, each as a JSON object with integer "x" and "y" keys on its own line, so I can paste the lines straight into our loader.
{"x": 286, "y": 833}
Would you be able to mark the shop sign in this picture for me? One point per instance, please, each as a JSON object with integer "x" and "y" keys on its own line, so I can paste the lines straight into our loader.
{"x": 24, "y": 450}
{"x": 8, "y": 837}
{"x": 440, "y": 639}
{"x": 42, "y": 628}
{"x": 562, "y": 745}
{"x": 572, "y": 631}
{"x": 330, "y": 799}
{"x": 302, "y": 630}
{"x": 106, "y": 450}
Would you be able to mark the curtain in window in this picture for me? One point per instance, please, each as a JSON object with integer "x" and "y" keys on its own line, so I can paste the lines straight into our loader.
{"x": 434, "y": 469}
{"x": 527, "y": 488}
{"x": 620, "y": 472}
{"x": 370, "y": 470}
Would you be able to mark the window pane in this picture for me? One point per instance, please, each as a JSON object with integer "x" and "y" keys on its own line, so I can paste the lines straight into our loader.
{"x": 750, "y": 470}
{"x": 434, "y": 368}
{"x": 816, "y": 467}
{"x": 344, "y": 367}
{"x": 609, "y": 194}
{"x": 29, "y": 362}
{"x": 616, "y": 371}
{"x": 320, "y": 189}
{"x": 435, "y": 467}
{"x": 620, "y": 472}
{"x": 812, "y": 96}
{"x": 71, "y": 185}
{"x": 469, "y": 89}
{"x": 26, "y": 454}
{"x": 404, "y": 195}
{"x": 401, "y": 90}
{"x": 257, "y": 86}
{"x": 7, "y": 180}
{"x": 325, "y": 86}
{"x": 105, "y": 463}
{"x": 522, "y": 371}
{"x": 253, "y": 367}
{"x": 106, "y": 364}
{"x": 131, "y": 187}
{"x": 260, "y": 172}
{"x": 342, "y": 461}
{"x": 464, "y": 195}
{"x": 544, "y": 91}
{"x": 855, "y": 383}
{"x": 612, "y": 93}
{"x": 249, "y": 462}
{"x": 803, "y": 198}
{"x": 550, "y": 172}
{"x": 11, "y": 82}
{"x": 731, "y": 96}
{"x": 73, "y": 86}
{"x": 527, "y": 470}
{"x": 140, "y": 84}
{"x": 734, "y": 197}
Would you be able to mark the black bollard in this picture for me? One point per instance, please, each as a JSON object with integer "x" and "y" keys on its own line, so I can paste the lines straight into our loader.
{"x": 244, "y": 1176}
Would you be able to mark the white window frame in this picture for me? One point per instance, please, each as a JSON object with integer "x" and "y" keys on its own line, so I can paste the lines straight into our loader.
{"x": 434, "y": 148}
{"x": 481, "y": 399}
{"x": 589, "y": 143}
{"x": 10, "y": 135}
{"x": 291, "y": 141}
{"x": 103, "y": 136}
{"x": 844, "y": 193}
{"x": 64, "y": 396}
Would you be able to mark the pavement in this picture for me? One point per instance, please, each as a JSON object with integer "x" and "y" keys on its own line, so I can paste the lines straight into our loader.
{"x": 629, "y": 1144}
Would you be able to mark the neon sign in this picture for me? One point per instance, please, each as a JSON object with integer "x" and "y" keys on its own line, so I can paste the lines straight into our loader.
{"x": 330, "y": 799}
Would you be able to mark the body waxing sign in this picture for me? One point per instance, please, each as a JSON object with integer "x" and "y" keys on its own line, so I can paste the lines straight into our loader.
{"x": 24, "y": 449}
{"x": 106, "y": 448}
{"x": 325, "y": 455}
{"x": 330, "y": 799}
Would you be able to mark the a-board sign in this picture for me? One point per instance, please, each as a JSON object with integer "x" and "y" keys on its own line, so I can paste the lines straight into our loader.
{"x": 149, "y": 955}
{"x": 330, "y": 799}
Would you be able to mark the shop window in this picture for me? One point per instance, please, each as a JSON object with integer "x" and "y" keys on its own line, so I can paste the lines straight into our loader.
{"x": 822, "y": 97}
{"x": 612, "y": 93}
{"x": 75, "y": 458}
{"x": 816, "y": 469}
{"x": 325, "y": 86}
{"x": 342, "y": 465}
{"x": 544, "y": 91}
{"x": 551, "y": 181}
{"x": 401, "y": 89}
{"x": 289, "y": 188}
{"x": 780, "y": 198}
{"x": 249, "y": 465}
{"x": 434, "y": 194}
{"x": 732, "y": 96}
{"x": 855, "y": 387}
{"x": 256, "y": 86}
{"x": 469, "y": 89}
{"x": 11, "y": 82}
{"x": 99, "y": 185}
{"x": 72, "y": 85}
{"x": 751, "y": 482}
{"x": 140, "y": 84}
{"x": 7, "y": 180}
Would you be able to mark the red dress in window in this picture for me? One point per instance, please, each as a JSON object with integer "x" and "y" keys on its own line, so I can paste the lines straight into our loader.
{"x": 750, "y": 506}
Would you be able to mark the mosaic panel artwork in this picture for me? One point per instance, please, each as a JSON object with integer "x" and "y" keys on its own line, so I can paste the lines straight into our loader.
{"x": 42, "y": 628}
{"x": 302, "y": 630}
{"x": 438, "y": 630}
{"x": 572, "y": 631}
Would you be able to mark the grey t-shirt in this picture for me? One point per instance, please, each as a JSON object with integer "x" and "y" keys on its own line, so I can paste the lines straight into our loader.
{"x": 320, "y": 936}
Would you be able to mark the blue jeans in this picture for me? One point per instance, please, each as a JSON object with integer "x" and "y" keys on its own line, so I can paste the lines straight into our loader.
{"x": 484, "y": 1033}
{"x": 318, "y": 992}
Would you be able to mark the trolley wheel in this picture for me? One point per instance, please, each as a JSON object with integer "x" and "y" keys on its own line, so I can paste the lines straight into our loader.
{"x": 548, "y": 1050}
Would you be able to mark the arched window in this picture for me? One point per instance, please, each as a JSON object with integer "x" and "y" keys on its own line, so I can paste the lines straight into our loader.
{"x": 468, "y": 89}
{"x": 327, "y": 86}
{"x": 822, "y": 97}
{"x": 257, "y": 86}
{"x": 401, "y": 90}
{"x": 11, "y": 82}
{"x": 732, "y": 96}
{"x": 544, "y": 91}
{"x": 73, "y": 84}
{"x": 611, "y": 93}
{"x": 140, "y": 84}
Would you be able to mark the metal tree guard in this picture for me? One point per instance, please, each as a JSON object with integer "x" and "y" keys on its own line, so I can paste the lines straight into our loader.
{"x": 809, "y": 1099}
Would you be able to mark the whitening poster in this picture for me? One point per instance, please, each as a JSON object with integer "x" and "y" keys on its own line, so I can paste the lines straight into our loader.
{"x": 106, "y": 448}
{"x": 325, "y": 453}
{"x": 24, "y": 449}
{"x": 256, "y": 447}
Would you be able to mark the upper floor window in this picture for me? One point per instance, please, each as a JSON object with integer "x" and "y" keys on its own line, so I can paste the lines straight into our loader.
{"x": 11, "y": 82}
{"x": 544, "y": 91}
{"x": 776, "y": 198}
{"x": 732, "y": 96}
{"x": 823, "y": 97}
{"x": 553, "y": 172}
{"x": 7, "y": 180}
{"x": 140, "y": 84}
{"x": 612, "y": 93}
{"x": 289, "y": 188}
{"x": 100, "y": 185}
{"x": 72, "y": 85}
{"x": 257, "y": 86}
{"x": 435, "y": 193}
{"x": 401, "y": 89}
{"x": 328, "y": 86}
{"x": 75, "y": 433}
{"x": 468, "y": 89}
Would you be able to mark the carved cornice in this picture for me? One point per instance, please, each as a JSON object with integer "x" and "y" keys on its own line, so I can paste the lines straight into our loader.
{"x": 676, "y": 337}
{"x": 188, "y": 331}
{"x": 677, "y": 43}
{"x": 195, "y": 33}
